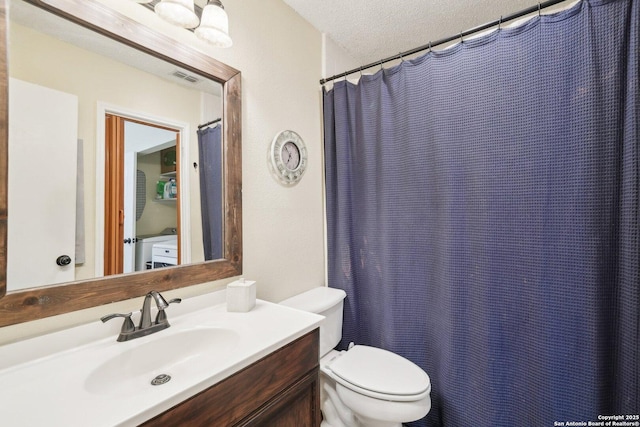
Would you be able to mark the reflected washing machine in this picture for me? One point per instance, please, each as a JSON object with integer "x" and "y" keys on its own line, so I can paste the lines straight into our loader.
{"x": 164, "y": 254}
{"x": 144, "y": 248}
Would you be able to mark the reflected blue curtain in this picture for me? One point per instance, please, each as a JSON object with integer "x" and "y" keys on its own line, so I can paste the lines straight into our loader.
{"x": 211, "y": 191}
{"x": 482, "y": 213}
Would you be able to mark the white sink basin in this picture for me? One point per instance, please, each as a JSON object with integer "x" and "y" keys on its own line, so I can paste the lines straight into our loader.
{"x": 111, "y": 381}
{"x": 177, "y": 354}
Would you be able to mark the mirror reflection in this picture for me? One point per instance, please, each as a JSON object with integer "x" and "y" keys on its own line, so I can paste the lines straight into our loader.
{"x": 110, "y": 149}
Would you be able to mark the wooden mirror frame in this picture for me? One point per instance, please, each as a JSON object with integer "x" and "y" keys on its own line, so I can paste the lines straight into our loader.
{"x": 36, "y": 303}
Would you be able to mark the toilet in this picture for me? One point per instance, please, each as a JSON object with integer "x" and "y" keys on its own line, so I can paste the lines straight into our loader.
{"x": 363, "y": 386}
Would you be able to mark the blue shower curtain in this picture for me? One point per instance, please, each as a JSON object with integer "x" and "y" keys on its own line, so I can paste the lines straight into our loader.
{"x": 482, "y": 213}
{"x": 211, "y": 197}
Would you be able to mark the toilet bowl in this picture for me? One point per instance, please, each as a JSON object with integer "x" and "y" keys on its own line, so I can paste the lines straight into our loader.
{"x": 363, "y": 386}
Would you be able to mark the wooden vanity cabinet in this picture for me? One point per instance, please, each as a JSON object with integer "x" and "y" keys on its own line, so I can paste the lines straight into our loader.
{"x": 281, "y": 389}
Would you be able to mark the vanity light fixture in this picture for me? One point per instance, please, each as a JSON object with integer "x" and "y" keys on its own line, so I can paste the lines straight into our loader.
{"x": 213, "y": 24}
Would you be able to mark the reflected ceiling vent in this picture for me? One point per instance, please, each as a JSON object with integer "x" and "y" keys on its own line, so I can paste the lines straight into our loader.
{"x": 185, "y": 76}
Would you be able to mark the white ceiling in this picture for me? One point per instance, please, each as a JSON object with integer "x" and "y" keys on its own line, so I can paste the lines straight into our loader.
{"x": 371, "y": 30}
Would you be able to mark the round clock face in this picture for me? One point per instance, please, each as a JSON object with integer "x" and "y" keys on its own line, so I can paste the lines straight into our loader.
{"x": 288, "y": 156}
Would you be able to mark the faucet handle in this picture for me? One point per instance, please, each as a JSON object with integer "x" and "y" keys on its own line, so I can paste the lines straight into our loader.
{"x": 160, "y": 301}
{"x": 127, "y": 325}
{"x": 162, "y": 316}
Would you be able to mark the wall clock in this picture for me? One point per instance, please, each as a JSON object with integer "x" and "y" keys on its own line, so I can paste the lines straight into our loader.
{"x": 288, "y": 157}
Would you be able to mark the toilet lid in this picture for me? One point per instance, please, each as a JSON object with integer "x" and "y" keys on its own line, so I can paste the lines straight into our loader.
{"x": 380, "y": 371}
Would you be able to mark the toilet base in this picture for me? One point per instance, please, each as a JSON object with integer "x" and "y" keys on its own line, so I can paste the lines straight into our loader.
{"x": 336, "y": 403}
{"x": 382, "y": 413}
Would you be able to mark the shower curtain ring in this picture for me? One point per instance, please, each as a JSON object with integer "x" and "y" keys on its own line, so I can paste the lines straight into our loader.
{"x": 539, "y": 9}
{"x": 401, "y": 57}
{"x": 360, "y": 69}
{"x": 381, "y": 69}
{"x": 429, "y": 46}
{"x": 500, "y": 23}
{"x": 461, "y": 40}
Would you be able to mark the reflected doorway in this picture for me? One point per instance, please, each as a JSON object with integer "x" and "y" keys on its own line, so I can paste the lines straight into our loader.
{"x": 142, "y": 197}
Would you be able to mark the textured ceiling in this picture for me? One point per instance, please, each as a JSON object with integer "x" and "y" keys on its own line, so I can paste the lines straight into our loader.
{"x": 370, "y": 30}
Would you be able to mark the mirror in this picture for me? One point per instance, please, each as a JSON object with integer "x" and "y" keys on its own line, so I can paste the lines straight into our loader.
{"x": 42, "y": 301}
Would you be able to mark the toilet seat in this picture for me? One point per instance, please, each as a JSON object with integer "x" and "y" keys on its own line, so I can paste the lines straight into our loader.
{"x": 380, "y": 374}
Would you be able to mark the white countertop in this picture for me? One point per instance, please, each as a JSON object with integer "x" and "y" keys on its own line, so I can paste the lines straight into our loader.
{"x": 43, "y": 380}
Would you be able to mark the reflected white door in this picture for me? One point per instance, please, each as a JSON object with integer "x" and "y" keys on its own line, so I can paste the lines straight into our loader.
{"x": 129, "y": 252}
{"x": 43, "y": 144}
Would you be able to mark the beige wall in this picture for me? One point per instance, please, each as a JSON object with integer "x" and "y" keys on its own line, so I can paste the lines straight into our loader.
{"x": 279, "y": 55}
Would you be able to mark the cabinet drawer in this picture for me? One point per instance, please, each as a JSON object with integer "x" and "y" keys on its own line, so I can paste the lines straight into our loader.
{"x": 165, "y": 252}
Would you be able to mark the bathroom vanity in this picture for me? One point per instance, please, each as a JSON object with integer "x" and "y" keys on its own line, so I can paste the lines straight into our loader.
{"x": 281, "y": 389}
{"x": 225, "y": 368}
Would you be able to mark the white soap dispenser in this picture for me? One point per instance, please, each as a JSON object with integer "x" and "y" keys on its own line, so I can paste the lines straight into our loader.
{"x": 241, "y": 295}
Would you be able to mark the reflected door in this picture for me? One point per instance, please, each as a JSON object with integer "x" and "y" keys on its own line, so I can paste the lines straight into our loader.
{"x": 129, "y": 242}
{"x": 132, "y": 145}
{"x": 43, "y": 144}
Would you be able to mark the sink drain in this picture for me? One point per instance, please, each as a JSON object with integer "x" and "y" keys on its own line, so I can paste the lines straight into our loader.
{"x": 161, "y": 379}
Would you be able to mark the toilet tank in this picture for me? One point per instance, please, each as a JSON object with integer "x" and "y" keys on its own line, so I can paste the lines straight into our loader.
{"x": 327, "y": 302}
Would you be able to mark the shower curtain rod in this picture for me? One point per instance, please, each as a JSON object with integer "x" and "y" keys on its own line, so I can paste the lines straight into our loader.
{"x": 498, "y": 22}
{"x": 209, "y": 123}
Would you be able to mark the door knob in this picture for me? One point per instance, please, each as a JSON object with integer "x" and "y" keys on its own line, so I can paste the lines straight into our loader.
{"x": 63, "y": 260}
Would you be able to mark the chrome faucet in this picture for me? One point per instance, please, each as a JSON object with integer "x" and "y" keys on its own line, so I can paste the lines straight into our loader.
{"x": 146, "y": 326}
{"x": 161, "y": 303}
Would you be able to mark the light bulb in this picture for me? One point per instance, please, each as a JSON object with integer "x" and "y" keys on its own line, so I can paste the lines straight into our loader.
{"x": 214, "y": 25}
{"x": 178, "y": 12}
